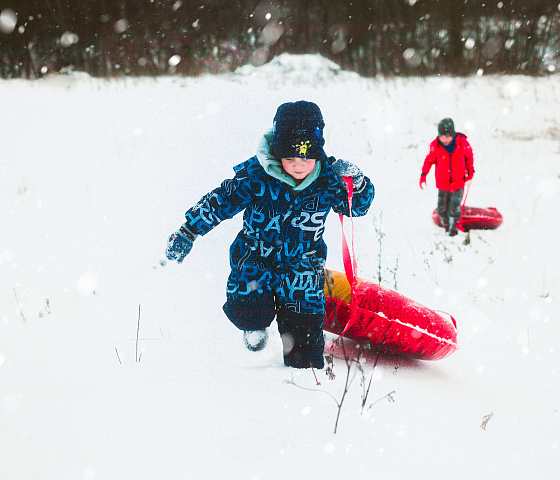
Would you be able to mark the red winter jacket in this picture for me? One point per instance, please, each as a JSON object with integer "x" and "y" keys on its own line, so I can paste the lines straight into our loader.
{"x": 451, "y": 169}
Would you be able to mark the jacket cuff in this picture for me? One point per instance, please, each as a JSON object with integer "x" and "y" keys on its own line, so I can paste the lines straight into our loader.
{"x": 185, "y": 230}
{"x": 361, "y": 187}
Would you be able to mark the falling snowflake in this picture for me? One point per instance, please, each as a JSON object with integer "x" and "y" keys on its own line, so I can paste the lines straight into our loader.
{"x": 8, "y": 21}
{"x": 174, "y": 60}
{"x": 121, "y": 25}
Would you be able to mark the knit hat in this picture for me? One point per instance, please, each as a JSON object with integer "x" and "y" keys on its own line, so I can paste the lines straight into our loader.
{"x": 446, "y": 127}
{"x": 298, "y": 131}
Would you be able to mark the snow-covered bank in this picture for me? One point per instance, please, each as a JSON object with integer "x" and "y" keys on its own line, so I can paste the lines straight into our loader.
{"x": 95, "y": 175}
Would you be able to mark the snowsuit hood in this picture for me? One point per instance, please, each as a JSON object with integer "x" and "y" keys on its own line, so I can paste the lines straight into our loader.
{"x": 273, "y": 166}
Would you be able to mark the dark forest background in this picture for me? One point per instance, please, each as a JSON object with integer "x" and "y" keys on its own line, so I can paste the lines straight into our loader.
{"x": 191, "y": 37}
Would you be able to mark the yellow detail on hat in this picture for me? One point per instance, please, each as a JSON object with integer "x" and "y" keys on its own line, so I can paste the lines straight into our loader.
{"x": 302, "y": 147}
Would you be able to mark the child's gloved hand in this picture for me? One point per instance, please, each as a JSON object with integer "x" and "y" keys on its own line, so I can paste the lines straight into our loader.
{"x": 347, "y": 169}
{"x": 180, "y": 244}
{"x": 422, "y": 181}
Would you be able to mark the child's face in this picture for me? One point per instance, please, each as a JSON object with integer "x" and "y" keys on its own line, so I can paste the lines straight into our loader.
{"x": 445, "y": 139}
{"x": 298, "y": 168}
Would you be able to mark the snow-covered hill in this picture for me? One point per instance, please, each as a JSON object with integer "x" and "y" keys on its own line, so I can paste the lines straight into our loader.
{"x": 117, "y": 365}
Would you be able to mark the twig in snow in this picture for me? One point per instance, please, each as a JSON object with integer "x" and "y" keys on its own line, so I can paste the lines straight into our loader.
{"x": 546, "y": 291}
{"x": 346, "y": 384}
{"x": 47, "y": 310}
{"x": 137, "y": 332}
{"x": 430, "y": 271}
{"x": 485, "y": 420}
{"x": 330, "y": 362}
{"x": 447, "y": 255}
{"x": 379, "y": 234}
{"x": 394, "y": 272}
{"x": 329, "y": 371}
{"x": 366, "y": 393}
{"x": 292, "y": 382}
{"x": 118, "y": 356}
{"x": 389, "y": 396}
{"x": 315, "y": 375}
{"x": 19, "y": 306}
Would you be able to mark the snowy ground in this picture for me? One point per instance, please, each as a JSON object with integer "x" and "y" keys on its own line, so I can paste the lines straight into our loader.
{"x": 94, "y": 177}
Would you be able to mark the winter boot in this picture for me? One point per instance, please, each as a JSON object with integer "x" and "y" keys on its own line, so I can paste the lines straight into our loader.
{"x": 453, "y": 227}
{"x": 255, "y": 340}
{"x": 444, "y": 222}
{"x": 302, "y": 336}
{"x": 303, "y": 352}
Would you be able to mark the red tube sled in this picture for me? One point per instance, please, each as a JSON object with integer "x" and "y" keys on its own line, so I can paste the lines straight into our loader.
{"x": 473, "y": 218}
{"x": 388, "y": 319}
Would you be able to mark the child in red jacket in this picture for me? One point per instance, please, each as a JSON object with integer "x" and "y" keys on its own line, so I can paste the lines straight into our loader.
{"x": 453, "y": 157}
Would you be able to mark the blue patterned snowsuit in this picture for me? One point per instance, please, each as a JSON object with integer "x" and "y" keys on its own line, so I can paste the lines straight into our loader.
{"x": 278, "y": 257}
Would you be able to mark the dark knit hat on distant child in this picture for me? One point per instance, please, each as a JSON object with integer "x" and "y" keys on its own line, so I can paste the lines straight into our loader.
{"x": 298, "y": 131}
{"x": 446, "y": 127}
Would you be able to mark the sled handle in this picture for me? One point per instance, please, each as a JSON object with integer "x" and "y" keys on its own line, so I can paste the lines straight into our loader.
{"x": 449, "y": 315}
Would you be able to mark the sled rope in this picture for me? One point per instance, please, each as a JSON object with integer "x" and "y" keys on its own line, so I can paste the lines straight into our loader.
{"x": 468, "y": 185}
{"x": 349, "y": 261}
{"x": 350, "y": 264}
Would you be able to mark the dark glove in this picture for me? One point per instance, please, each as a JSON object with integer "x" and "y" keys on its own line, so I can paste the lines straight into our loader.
{"x": 422, "y": 180}
{"x": 180, "y": 244}
{"x": 346, "y": 169}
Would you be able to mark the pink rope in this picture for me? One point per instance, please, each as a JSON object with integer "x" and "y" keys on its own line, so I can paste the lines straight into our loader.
{"x": 468, "y": 185}
{"x": 349, "y": 259}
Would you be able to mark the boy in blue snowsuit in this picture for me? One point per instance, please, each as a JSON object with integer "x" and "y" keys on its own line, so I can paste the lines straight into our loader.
{"x": 277, "y": 259}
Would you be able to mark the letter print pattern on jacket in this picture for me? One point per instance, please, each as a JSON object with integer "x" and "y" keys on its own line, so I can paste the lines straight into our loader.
{"x": 280, "y": 247}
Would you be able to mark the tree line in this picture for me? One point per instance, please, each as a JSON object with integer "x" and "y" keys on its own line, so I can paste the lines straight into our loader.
{"x": 191, "y": 37}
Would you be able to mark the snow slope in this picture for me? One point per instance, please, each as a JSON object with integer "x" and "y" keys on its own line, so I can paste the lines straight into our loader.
{"x": 116, "y": 365}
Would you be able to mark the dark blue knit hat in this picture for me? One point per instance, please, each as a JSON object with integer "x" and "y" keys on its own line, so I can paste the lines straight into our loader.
{"x": 446, "y": 127}
{"x": 298, "y": 131}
